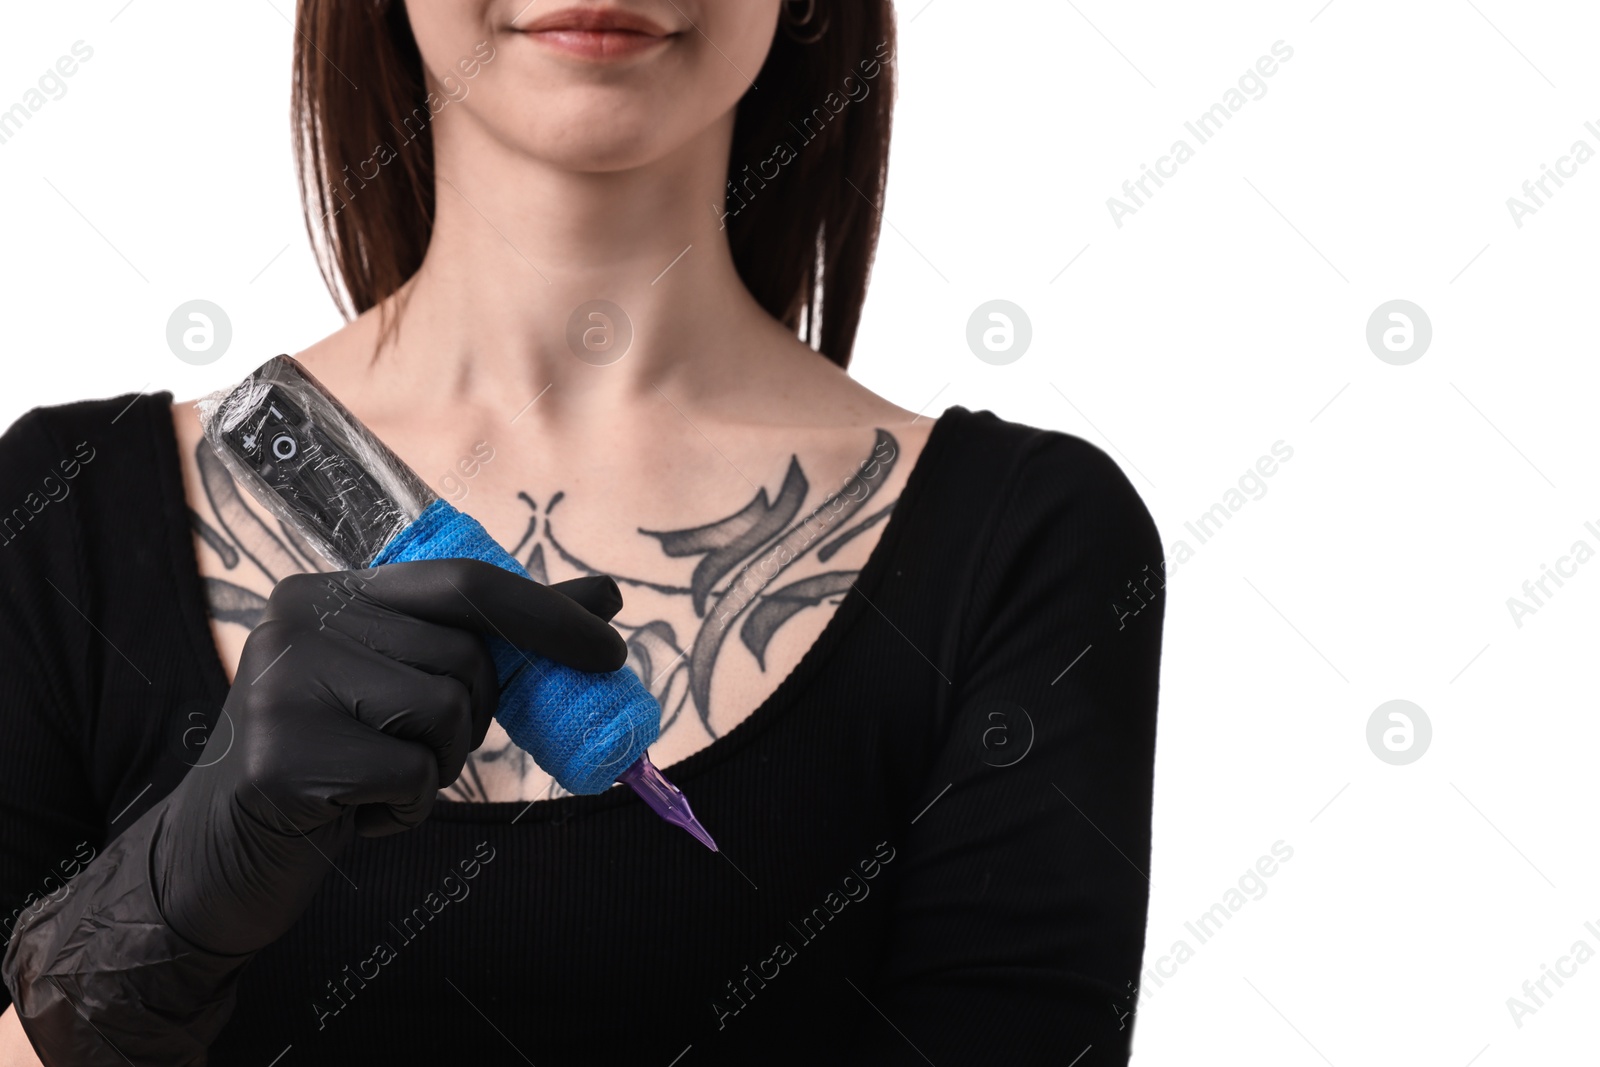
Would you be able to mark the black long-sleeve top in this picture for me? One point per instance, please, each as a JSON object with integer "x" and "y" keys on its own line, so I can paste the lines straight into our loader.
{"x": 935, "y": 833}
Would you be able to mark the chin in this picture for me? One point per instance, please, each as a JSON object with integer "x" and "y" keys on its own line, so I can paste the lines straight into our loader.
{"x": 616, "y": 151}
{"x": 590, "y": 128}
{"x": 595, "y": 147}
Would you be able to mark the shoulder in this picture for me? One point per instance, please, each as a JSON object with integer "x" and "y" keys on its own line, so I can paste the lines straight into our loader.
{"x": 47, "y": 449}
{"x": 69, "y": 471}
{"x": 1034, "y": 478}
{"x": 1057, "y": 529}
{"x": 58, "y": 442}
{"x": 82, "y": 426}
{"x": 60, "y": 467}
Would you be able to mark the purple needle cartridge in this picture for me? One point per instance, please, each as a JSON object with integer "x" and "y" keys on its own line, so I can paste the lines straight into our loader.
{"x": 664, "y": 798}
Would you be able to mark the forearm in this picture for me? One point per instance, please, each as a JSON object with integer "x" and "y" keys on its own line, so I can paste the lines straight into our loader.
{"x": 98, "y": 977}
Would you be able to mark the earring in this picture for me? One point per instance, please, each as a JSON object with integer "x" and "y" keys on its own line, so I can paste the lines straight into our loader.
{"x": 797, "y": 27}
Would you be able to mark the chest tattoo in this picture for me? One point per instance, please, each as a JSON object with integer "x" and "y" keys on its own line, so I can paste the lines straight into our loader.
{"x": 740, "y": 582}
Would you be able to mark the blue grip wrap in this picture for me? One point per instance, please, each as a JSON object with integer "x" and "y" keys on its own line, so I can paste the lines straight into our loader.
{"x": 584, "y": 729}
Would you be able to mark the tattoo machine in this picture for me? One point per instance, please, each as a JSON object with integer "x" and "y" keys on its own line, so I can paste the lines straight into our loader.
{"x": 313, "y": 464}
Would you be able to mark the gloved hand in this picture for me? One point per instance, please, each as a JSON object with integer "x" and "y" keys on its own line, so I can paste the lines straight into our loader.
{"x": 357, "y": 697}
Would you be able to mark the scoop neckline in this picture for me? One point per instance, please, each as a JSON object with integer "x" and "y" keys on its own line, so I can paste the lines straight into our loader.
{"x": 720, "y": 750}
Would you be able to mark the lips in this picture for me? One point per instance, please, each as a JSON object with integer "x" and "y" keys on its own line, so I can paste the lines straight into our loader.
{"x": 598, "y": 34}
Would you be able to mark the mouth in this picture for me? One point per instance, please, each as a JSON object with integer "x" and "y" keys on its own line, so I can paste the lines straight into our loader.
{"x": 597, "y": 34}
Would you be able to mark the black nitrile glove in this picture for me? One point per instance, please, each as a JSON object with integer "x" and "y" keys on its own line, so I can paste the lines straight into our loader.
{"x": 357, "y": 697}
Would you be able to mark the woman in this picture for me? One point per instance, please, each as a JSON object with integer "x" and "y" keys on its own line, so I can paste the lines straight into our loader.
{"x": 608, "y": 261}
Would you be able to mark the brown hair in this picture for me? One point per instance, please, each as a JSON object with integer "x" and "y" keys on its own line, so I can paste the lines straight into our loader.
{"x": 805, "y": 176}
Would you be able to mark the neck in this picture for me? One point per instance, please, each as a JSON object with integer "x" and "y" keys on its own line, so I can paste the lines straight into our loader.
{"x": 497, "y": 312}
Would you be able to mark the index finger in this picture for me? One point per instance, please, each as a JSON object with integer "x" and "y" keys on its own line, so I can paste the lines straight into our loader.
{"x": 474, "y": 595}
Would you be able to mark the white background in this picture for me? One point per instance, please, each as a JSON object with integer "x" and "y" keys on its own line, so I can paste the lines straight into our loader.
{"x": 1229, "y": 313}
